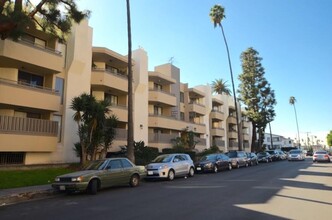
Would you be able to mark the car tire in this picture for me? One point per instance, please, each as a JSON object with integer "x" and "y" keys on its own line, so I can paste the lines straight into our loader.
{"x": 215, "y": 169}
{"x": 191, "y": 172}
{"x": 171, "y": 175}
{"x": 247, "y": 164}
{"x": 93, "y": 187}
{"x": 237, "y": 166}
{"x": 257, "y": 162}
{"x": 267, "y": 160}
{"x": 230, "y": 167}
{"x": 134, "y": 180}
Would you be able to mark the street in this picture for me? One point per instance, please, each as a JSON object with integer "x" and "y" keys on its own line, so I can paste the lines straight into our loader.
{"x": 278, "y": 190}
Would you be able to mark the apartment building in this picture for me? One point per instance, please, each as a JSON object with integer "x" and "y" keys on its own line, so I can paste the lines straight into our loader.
{"x": 40, "y": 76}
{"x": 278, "y": 141}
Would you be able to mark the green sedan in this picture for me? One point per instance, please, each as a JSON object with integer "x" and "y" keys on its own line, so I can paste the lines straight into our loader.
{"x": 101, "y": 174}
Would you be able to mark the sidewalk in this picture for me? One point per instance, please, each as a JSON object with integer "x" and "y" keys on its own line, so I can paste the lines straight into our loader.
{"x": 15, "y": 195}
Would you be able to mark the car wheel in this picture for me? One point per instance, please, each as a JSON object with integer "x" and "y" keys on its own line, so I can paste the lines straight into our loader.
{"x": 237, "y": 165}
{"x": 267, "y": 160}
{"x": 191, "y": 172}
{"x": 230, "y": 166}
{"x": 215, "y": 169}
{"x": 93, "y": 187}
{"x": 134, "y": 180}
{"x": 171, "y": 175}
{"x": 247, "y": 164}
{"x": 257, "y": 162}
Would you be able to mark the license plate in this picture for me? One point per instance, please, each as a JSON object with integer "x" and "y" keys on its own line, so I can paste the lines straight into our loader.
{"x": 62, "y": 187}
{"x": 198, "y": 168}
{"x": 150, "y": 172}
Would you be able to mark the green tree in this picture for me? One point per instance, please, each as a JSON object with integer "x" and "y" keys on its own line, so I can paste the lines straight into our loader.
{"x": 292, "y": 101}
{"x": 256, "y": 94}
{"x": 130, "y": 134}
{"x": 217, "y": 14}
{"x": 186, "y": 140}
{"x": 96, "y": 130}
{"x": 220, "y": 87}
{"x": 16, "y": 16}
{"x": 329, "y": 139}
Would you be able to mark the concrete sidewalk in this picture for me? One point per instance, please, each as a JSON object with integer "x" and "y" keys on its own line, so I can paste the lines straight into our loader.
{"x": 15, "y": 195}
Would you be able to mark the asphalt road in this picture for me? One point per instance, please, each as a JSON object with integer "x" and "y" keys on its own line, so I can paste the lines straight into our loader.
{"x": 278, "y": 190}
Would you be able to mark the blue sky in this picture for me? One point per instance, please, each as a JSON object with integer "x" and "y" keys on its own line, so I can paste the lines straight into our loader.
{"x": 292, "y": 36}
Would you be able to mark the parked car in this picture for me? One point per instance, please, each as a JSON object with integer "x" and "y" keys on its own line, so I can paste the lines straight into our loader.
{"x": 321, "y": 156}
{"x": 100, "y": 174}
{"x": 264, "y": 157}
{"x": 274, "y": 155}
{"x": 169, "y": 166}
{"x": 310, "y": 153}
{"x": 282, "y": 155}
{"x": 213, "y": 163}
{"x": 296, "y": 155}
{"x": 252, "y": 158}
{"x": 238, "y": 158}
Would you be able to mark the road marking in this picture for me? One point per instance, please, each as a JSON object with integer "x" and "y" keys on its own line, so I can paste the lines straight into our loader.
{"x": 194, "y": 187}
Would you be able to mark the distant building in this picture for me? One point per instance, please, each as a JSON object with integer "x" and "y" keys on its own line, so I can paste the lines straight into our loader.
{"x": 278, "y": 142}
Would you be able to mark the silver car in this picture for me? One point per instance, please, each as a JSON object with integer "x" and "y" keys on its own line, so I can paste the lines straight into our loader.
{"x": 169, "y": 166}
{"x": 296, "y": 155}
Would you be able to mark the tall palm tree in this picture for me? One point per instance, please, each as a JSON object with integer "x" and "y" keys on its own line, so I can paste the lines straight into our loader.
{"x": 292, "y": 101}
{"x": 219, "y": 86}
{"x": 130, "y": 134}
{"x": 217, "y": 14}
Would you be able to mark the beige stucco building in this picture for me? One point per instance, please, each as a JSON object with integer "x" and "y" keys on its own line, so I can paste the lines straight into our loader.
{"x": 40, "y": 76}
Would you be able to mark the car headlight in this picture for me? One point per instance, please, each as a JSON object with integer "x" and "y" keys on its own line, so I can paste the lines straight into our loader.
{"x": 208, "y": 165}
{"x": 57, "y": 179}
{"x": 76, "y": 179}
{"x": 163, "y": 167}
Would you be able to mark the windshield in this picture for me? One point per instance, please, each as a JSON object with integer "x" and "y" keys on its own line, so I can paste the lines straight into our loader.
{"x": 232, "y": 154}
{"x": 96, "y": 165}
{"x": 209, "y": 157}
{"x": 321, "y": 152}
{"x": 261, "y": 154}
{"x": 295, "y": 152}
{"x": 163, "y": 159}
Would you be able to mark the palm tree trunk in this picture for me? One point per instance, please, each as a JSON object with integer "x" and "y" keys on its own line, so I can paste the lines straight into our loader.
{"x": 234, "y": 94}
{"x": 297, "y": 125}
{"x": 253, "y": 138}
{"x": 130, "y": 137}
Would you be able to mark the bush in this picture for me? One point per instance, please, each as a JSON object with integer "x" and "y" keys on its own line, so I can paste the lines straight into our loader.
{"x": 144, "y": 154}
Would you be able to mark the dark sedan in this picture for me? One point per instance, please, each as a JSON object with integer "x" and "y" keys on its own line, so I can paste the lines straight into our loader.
{"x": 264, "y": 157}
{"x": 213, "y": 163}
{"x": 252, "y": 158}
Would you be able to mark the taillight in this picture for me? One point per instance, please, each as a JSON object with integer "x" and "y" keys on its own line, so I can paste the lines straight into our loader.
{"x": 326, "y": 156}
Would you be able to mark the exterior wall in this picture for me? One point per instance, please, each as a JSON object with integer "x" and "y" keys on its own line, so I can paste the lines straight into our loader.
{"x": 77, "y": 81}
{"x": 141, "y": 95}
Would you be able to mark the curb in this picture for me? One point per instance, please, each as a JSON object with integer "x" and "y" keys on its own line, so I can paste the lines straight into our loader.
{"x": 22, "y": 197}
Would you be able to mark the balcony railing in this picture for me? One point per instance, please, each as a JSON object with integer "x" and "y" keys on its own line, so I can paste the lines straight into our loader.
{"x": 219, "y": 143}
{"x": 38, "y": 46}
{"x": 161, "y": 138}
{"x": 121, "y": 134}
{"x": 111, "y": 71}
{"x": 31, "y": 126}
{"x": 28, "y": 85}
{"x": 162, "y": 91}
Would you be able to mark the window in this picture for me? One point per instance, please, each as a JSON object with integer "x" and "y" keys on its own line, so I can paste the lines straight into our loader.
{"x": 182, "y": 116}
{"x": 31, "y": 79}
{"x": 58, "y": 118}
{"x": 59, "y": 86}
{"x": 126, "y": 163}
{"x": 158, "y": 110}
{"x": 181, "y": 97}
{"x": 115, "y": 164}
{"x": 113, "y": 99}
{"x": 158, "y": 86}
{"x": 33, "y": 115}
{"x": 7, "y": 158}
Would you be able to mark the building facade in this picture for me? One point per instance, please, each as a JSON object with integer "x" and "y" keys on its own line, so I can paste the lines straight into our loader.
{"x": 39, "y": 77}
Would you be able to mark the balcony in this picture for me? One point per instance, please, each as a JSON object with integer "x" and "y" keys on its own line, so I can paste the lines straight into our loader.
{"x": 217, "y": 115}
{"x": 231, "y": 120}
{"x": 220, "y": 132}
{"x": 232, "y": 134}
{"x": 120, "y": 111}
{"x": 245, "y": 124}
{"x": 27, "y": 134}
{"x": 161, "y": 138}
{"x": 162, "y": 97}
{"x": 17, "y": 54}
{"x": 105, "y": 78}
{"x": 218, "y": 143}
{"x": 197, "y": 108}
{"x": 27, "y": 95}
{"x": 246, "y": 136}
{"x": 167, "y": 122}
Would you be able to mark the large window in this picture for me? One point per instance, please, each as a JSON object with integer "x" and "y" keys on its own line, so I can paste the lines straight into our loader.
{"x": 59, "y": 86}
{"x": 158, "y": 87}
{"x": 181, "y": 97}
{"x": 158, "y": 110}
{"x": 31, "y": 79}
{"x": 58, "y": 118}
{"x": 112, "y": 98}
